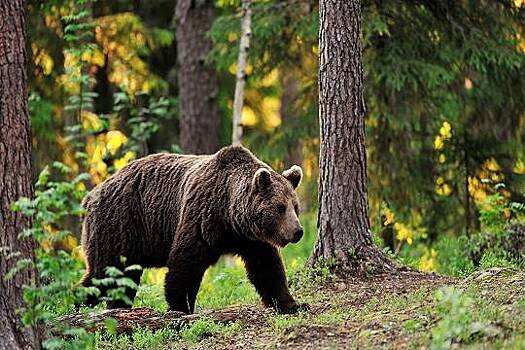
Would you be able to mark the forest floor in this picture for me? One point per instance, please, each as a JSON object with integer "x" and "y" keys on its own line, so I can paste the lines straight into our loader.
{"x": 405, "y": 311}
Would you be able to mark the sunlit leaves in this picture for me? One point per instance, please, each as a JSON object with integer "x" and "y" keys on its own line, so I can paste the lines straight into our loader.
{"x": 428, "y": 261}
{"x": 114, "y": 140}
{"x": 403, "y": 233}
{"x": 122, "y": 38}
{"x": 442, "y": 187}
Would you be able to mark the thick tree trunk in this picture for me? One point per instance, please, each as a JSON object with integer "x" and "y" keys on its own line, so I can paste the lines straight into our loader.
{"x": 15, "y": 175}
{"x": 197, "y": 79}
{"x": 344, "y": 227}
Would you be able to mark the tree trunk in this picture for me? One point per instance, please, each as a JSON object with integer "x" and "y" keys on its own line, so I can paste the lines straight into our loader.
{"x": 344, "y": 229}
{"x": 197, "y": 79}
{"x": 15, "y": 175}
{"x": 244, "y": 46}
{"x": 290, "y": 121}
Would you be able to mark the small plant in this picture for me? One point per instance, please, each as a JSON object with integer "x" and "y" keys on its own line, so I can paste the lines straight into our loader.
{"x": 454, "y": 326}
{"x": 496, "y": 211}
{"x": 492, "y": 259}
{"x": 147, "y": 339}
{"x": 311, "y": 277}
{"x": 206, "y": 327}
{"x": 281, "y": 323}
{"x": 225, "y": 285}
{"x": 502, "y": 239}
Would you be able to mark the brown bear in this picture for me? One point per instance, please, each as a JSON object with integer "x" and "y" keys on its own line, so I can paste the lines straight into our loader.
{"x": 184, "y": 212}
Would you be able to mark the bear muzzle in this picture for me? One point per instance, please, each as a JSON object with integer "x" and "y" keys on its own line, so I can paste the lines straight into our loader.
{"x": 298, "y": 234}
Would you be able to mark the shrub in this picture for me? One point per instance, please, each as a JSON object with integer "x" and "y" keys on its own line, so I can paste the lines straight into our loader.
{"x": 454, "y": 325}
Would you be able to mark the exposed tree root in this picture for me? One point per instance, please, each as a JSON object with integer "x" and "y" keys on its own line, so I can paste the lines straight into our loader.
{"x": 368, "y": 260}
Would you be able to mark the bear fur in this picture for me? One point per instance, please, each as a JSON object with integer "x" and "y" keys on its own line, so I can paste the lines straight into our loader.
{"x": 184, "y": 212}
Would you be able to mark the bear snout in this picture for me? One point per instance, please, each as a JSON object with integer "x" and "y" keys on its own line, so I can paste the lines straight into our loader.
{"x": 297, "y": 235}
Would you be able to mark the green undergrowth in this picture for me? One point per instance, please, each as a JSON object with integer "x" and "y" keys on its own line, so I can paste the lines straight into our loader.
{"x": 485, "y": 310}
{"x": 476, "y": 310}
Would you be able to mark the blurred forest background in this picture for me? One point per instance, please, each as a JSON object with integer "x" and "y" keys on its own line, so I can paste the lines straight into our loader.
{"x": 445, "y": 97}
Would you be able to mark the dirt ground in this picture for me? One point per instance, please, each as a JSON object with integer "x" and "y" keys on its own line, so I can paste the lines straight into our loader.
{"x": 335, "y": 319}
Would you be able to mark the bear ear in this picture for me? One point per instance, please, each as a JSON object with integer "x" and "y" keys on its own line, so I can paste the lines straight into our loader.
{"x": 294, "y": 175}
{"x": 262, "y": 179}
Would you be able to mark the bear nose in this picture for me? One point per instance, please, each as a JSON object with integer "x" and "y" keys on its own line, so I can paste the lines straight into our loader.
{"x": 297, "y": 235}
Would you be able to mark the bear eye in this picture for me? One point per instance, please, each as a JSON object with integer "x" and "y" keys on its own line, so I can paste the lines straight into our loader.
{"x": 281, "y": 208}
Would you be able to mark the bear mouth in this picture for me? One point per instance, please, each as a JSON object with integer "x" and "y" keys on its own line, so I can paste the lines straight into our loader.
{"x": 284, "y": 242}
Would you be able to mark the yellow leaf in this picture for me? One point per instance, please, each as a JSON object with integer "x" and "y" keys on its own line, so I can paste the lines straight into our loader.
{"x": 270, "y": 79}
{"x": 70, "y": 242}
{"x": 114, "y": 140}
{"x": 445, "y": 130}
{"x": 248, "y": 118}
{"x": 80, "y": 187}
{"x": 232, "y": 36}
{"x": 492, "y": 164}
{"x": 271, "y": 108}
{"x": 519, "y": 167}
{"x": 78, "y": 253}
{"x": 388, "y": 217}
{"x": 403, "y": 233}
{"x": 438, "y": 142}
{"x": 428, "y": 262}
{"x": 121, "y": 162}
{"x": 90, "y": 121}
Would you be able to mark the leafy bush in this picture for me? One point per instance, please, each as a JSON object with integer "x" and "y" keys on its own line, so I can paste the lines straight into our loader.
{"x": 452, "y": 257}
{"x": 502, "y": 239}
{"x": 53, "y": 207}
{"x": 56, "y": 205}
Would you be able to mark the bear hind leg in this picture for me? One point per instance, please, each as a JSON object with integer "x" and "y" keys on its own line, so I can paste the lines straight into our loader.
{"x": 87, "y": 282}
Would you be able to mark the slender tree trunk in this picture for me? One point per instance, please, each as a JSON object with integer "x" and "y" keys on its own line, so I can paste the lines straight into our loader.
{"x": 290, "y": 122}
{"x": 244, "y": 46}
{"x": 197, "y": 79}
{"x": 344, "y": 227}
{"x": 15, "y": 175}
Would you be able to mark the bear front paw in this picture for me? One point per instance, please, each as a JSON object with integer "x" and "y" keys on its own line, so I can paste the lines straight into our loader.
{"x": 292, "y": 308}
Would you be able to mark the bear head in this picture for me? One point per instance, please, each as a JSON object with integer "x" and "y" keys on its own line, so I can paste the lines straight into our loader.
{"x": 275, "y": 206}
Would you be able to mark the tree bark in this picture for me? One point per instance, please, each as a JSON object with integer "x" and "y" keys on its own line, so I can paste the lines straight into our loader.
{"x": 197, "y": 79}
{"x": 244, "y": 46}
{"x": 15, "y": 176}
{"x": 290, "y": 121}
{"x": 344, "y": 235}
